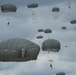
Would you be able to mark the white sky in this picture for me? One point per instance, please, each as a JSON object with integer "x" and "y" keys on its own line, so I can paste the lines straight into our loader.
{"x": 23, "y": 25}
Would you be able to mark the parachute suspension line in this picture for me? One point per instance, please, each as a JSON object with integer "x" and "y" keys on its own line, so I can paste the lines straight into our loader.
{"x": 48, "y": 37}
{"x": 49, "y": 60}
{"x": 55, "y": 16}
{"x": 33, "y": 15}
{"x": 74, "y": 27}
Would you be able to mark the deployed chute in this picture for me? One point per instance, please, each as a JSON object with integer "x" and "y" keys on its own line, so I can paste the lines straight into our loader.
{"x": 40, "y": 30}
{"x": 39, "y": 37}
{"x": 55, "y": 9}
{"x": 60, "y": 73}
{"x": 51, "y": 45}
{"x": 32, "y": 5}
{"x": 17, "y": 49}
{"x": 8, "y": 8}
{"x": 63, "y": 27}
{"x": 73, "y": 22}
{"x": 47, "y": 31}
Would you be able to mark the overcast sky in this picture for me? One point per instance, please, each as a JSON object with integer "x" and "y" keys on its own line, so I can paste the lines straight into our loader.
{"x": 23, "y": 25}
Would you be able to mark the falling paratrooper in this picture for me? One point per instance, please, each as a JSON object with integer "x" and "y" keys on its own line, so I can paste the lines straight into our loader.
{"x": 8, "y": 21}
{"x": 69, "y": 5}
{"x": 18, "y": 50}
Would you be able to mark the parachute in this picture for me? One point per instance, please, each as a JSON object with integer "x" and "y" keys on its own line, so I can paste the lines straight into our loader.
{"x": 40, "y": 30}
{"x": 51, "y": 45}
{"x": 73, "y": 22}
{"x": 39, "y": 37}
{"x": 18, "y": 49}
{"x": 63, "y": 27}
{"x": 55, "y": 9}
{"x": 60, "y": 73}
{"x": 8, "y": 8}
{"x": 47, "y": 31}
{"x": 32, "y": 5}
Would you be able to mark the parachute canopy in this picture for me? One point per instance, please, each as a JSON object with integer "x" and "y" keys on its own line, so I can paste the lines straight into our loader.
{"x": 32, "y": 5}
{"x": 51, "y": 45}
{"x": 73, "y": 21}
{"x": 39, "y": 37}
{"x": 8, "y": 8}
{"x": 47, "y": 31}
{"x": 55, "y": 9}
{"x": 40, "y": 30}
{"x": 60, "y": 73}
{"x": 17, "y": 49}
{"x": 63, "y": 27}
